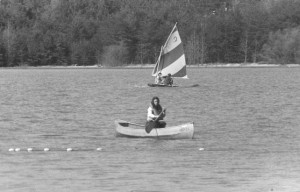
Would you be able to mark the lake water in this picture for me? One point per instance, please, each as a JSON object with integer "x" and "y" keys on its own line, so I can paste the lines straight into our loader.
{"x": 247, "y": 121}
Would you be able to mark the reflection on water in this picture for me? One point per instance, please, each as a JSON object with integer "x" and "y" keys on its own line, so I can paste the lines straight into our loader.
{"x": 246, "y": 119}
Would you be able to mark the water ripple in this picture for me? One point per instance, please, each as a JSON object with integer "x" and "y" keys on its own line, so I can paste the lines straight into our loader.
{"x": 246, "y": 131}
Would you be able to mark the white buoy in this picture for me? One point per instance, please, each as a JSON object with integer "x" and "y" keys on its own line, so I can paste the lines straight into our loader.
{"x": 46, "y": 149}
{"x": 29, "y": 149}
{"x": 17, "y": 149}
{"x": 69, "y": 149}
{"x": 201, "y": 149}
{"x": 99, "y": 149}
{"x": 11, "y": 149}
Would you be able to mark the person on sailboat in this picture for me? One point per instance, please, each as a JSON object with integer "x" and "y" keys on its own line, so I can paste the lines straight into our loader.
{"x": 156, "y": 113}
{"x": 158, "y": 79}
{"x": 168, "y": 80}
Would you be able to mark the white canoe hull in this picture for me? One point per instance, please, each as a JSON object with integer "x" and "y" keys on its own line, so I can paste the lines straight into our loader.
{"x": 127, "y": 129}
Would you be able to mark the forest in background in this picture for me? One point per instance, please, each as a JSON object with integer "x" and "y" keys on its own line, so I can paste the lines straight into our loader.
{"x": 123, "y": 32}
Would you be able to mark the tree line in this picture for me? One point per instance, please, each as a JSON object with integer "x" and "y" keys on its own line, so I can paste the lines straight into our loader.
{"x": 122, "y": 32}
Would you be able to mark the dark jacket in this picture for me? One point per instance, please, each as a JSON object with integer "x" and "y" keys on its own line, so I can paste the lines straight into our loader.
{"x": 168, "y": 80}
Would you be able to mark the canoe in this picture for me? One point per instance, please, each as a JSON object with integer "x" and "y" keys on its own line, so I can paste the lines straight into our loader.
{"x": 127, "y": 129}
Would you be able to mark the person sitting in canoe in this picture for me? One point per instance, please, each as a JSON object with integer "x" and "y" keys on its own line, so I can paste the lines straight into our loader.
{"x": 156, "y": 114}
{"x": 159, "y": 79}
{"x": 168, "y": 80}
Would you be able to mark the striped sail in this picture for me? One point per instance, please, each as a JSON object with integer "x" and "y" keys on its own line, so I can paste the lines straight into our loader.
{"x": 171, "y": 58}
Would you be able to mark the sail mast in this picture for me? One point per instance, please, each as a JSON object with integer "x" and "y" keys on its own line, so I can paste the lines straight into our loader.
{"x": 156, "y": 68}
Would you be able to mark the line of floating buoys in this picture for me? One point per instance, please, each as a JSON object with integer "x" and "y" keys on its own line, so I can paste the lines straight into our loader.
{"x": 68, "y": 149}
{"x": 47, "y": 149}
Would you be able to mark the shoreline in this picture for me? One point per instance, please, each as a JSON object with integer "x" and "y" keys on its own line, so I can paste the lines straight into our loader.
{"x": 150, "y": 66}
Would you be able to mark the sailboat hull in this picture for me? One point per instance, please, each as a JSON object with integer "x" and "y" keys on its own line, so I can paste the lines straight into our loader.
{"x": 160, "y": 85}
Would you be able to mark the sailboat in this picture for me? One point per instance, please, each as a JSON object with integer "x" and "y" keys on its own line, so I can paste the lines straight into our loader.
{"x": 171, "y": 59}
